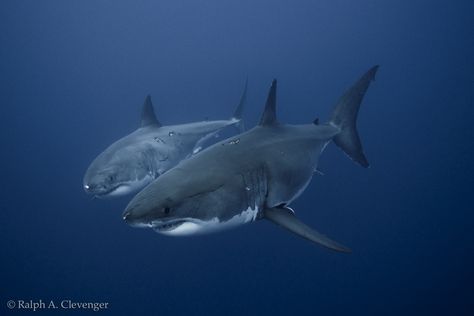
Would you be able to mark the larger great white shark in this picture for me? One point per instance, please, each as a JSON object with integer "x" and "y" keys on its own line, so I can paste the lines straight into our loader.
{"x": 135, "y": 160}
{"x": 254, "y": 175}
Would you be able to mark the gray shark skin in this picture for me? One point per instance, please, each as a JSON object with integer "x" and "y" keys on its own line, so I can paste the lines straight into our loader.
{"x": 252, "y": 176}
{"x": 135, "y": 160}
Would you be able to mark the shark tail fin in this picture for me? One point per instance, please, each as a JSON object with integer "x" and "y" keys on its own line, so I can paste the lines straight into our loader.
{"x": 237, "y": 116}
{"x": 148, "y": 116}
{"x": 344, "y": 116}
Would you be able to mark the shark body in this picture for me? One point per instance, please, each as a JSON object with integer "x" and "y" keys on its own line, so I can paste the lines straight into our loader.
{"x": 254, "y": 175}
{"x": 135, "y": 160}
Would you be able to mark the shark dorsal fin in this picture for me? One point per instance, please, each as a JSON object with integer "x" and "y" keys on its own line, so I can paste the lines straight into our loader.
{"x": 269, "y": 113}
{"x": 148, "y": 114}
{"x": 243, "y": 98}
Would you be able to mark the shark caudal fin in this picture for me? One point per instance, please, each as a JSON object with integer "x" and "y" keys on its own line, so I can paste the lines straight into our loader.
{"x": 148, "y": 117}
{"x": 344, "y": 116}
{"x": 284, "y": 217}
{"x": 237, "y": 116}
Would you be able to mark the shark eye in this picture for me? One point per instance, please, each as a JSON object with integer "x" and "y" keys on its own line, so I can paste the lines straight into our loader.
{"x": 166, "y": 210}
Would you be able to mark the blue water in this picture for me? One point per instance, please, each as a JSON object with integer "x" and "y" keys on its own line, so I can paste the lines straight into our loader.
{"x": 73, "y": 75}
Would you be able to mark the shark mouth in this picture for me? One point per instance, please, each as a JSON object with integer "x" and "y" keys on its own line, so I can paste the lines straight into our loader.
{"x": 123, "y": 188}
{"x": 117, "y": 190}
{"x": 190, "y": 226}
{"x": 168, "y": 226}
{"x": 179, "y": 227}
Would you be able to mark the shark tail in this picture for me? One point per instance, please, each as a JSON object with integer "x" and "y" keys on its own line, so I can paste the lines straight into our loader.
{"x": 237, "y": 116}
{"x": 344, "y": 116}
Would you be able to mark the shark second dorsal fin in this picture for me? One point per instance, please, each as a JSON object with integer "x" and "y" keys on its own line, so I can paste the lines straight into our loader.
{"x": 269, "y": 113}
{"x": 148, "y": 114}
{"x": 285, "y": 217}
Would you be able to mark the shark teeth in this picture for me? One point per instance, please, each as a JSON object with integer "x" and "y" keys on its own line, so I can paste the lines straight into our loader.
{"x": 167, "y": 226}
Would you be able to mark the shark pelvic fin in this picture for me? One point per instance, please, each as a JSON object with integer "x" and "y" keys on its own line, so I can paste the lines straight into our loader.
{"x": 286, "y": 218}
{"x": 269, "y": 113}
{"x": 148, "y": 114}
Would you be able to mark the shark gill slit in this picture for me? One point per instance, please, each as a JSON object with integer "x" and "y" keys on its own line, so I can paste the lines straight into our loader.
{"x": 255, "y": 183}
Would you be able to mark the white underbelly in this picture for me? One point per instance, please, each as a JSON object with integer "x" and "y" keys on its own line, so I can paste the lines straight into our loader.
{"x": 193, "y": 226}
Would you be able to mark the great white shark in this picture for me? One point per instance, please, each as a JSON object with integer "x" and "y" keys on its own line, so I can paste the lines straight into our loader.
{"x": 135, "y": 160}
{"x": 252, "y": 176}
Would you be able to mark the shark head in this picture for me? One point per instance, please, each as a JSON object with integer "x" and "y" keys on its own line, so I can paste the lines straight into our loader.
{"x": 163, "y": 210}
{"x": 166, "y": 220}
{"x": 180, "y": 204}
{"x": 124, "y": 167}
{"x": 109, "y": 177}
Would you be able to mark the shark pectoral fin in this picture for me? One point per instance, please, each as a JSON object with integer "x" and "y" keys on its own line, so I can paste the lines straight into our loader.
{"x": 285, "y": 217}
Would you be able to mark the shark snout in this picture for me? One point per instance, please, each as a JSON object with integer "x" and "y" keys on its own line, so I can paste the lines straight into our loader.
{"x": 139, "y": 214}
{"x": 88, "y": 188}
{"x": 129, "y": 218}
{"x": 134, "y": 219}
{"x": 94, "y": 189}
{"x": 126, "y": 216}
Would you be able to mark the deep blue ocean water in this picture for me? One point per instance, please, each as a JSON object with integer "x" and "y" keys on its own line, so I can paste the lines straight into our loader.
{"x": 73, "y": 76}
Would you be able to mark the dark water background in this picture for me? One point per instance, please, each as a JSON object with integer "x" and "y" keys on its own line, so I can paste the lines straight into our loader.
{"x": 73, "y": 77}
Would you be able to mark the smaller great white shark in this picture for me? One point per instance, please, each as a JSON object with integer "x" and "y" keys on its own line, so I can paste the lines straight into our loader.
{"x": 252, "y": 176}
{"x": 135, "y": 160}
